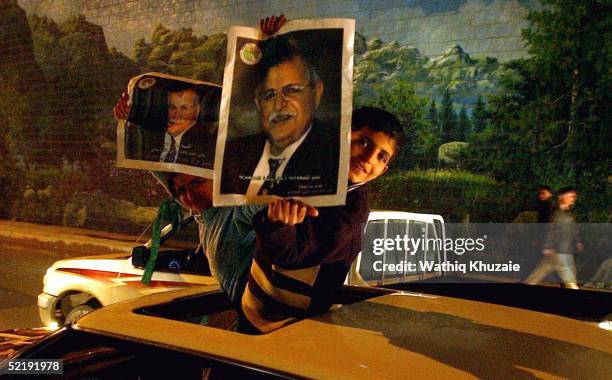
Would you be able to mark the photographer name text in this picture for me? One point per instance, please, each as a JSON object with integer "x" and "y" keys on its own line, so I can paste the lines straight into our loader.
{"x": 447, "y": 266}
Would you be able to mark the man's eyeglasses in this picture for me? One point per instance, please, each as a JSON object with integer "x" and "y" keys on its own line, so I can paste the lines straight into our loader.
{"x": 182, "y": 109}
{"x": 290, "y": 92}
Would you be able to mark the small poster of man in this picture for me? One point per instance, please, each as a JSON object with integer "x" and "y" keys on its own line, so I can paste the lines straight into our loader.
{"x": 284, "y": 126}
{"x": 172, "y": 125}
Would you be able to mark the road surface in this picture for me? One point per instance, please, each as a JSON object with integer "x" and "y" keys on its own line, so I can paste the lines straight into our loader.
{"x": 21, "y": 276}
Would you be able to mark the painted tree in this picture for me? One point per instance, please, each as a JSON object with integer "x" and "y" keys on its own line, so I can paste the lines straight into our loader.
{"x": 432, "y": 113}
{"x": 463, "y": 127}
{"x": 141, "y": 51}
{"x": 480, "y": 116}
{"x": 88, "y": 77}
{"x": 400, "y": 99}
{"x": 447, "y": 118}
{"x": 548, "y": 123}
{"x": 429, "y": 138}
{"x": 571, "y": 49}
{"x": 180, "y": 52}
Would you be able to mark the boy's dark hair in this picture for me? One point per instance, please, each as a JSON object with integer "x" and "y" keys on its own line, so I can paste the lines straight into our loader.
{"x": 379, "y": 120}
{"x": 545, "y": 187}
{"x": 566, "y": 189}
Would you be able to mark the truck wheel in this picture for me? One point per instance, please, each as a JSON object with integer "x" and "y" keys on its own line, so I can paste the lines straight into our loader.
{"x": 77, "y": 312}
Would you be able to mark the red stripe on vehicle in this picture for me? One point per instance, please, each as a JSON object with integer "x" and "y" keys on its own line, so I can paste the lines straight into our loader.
{"x": 158, "y": 284}
{"x": 108, "y": 276}
{"x": 101, "y": 275}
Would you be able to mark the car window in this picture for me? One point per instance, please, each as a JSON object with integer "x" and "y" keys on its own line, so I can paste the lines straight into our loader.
{"x": 397, "y": 254}
{"x": 434, "y": 246}
{"x": 400, "y": 260}
{"x": 180, "y": 251}
{"x": 374, "y": 229}
{"x": 439, "y": 229}
{"x": 418, "y": 235}
{"x": 185, "y": 238}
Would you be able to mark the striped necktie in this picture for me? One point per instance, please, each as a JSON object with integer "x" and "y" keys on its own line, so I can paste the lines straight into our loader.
{"x": 271, "y": 181}
{"x": 172, "y": 151}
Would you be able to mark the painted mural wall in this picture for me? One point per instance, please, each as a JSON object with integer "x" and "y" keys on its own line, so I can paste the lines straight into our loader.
{"x": 494, "y": 99}
{"x": 481, "y": 27}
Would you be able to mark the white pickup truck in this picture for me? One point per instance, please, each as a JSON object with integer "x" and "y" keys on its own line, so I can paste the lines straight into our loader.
{"x": 75, "y": 287}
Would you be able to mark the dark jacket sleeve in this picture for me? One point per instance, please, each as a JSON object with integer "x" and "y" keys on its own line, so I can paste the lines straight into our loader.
{"x": 328, "y": 238}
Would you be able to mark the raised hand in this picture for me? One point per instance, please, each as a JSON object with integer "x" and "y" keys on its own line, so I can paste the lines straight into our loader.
{"x": 122, "y": 109}
{"x": 271, "y": 24}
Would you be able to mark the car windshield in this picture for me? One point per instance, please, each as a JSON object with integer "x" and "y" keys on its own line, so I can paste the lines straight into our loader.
{"x": 92, "y": 356}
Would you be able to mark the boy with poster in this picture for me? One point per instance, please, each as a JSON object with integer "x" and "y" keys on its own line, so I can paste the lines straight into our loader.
{"x": 304, "y": 254}
{"x": 226, "y": 233}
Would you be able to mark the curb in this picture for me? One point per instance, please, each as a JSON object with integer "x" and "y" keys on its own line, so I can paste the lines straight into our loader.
{"x": 68, "y": 239}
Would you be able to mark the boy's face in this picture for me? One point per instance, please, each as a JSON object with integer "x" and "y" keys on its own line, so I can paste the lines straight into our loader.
{"x": 370, "y": 154}
{"x": 193, "y": 192}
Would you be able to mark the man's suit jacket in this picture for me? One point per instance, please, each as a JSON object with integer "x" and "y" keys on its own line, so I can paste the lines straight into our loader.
{"x": 317, "y": 158}
{"x": 197, "y": 145}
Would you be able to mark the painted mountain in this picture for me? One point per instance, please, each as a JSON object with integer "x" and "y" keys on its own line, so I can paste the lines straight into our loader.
{"x": 379, "y": 64}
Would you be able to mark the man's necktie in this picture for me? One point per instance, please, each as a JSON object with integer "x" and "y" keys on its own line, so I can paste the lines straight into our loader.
{"x": 271, "y": 180}
{"x": 172, "y": 151}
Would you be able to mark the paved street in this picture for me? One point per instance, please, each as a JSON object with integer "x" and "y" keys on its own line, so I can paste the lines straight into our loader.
{"x": 27, "y": 250}
{"x": 22, "y": 271}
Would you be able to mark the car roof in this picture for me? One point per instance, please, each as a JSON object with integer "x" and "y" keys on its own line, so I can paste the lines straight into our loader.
{"x": 400, "y": 335}
{"x": 380, "y": 215}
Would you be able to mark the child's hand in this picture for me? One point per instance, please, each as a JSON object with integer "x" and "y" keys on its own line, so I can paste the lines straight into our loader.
{"x": 122, "y": 109}
{"x": 290, "y": 211}
{"x": 271, "y": 24}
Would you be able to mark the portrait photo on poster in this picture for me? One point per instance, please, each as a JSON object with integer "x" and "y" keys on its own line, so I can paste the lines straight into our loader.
{"x": 284, "y": 126}
{"x": 172, "y": 125}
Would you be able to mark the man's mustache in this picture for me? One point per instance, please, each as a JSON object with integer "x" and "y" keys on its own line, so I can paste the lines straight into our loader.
{"x": 179, "y": 121}
{"x": 277, "y": 116}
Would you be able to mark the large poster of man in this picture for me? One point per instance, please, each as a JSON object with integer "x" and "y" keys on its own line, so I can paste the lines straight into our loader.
{"x": 285, "y": 114}
{"x": 172, "y": 125}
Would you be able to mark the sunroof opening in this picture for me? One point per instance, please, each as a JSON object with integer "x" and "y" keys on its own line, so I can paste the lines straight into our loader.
{"x": 214, "y": 309}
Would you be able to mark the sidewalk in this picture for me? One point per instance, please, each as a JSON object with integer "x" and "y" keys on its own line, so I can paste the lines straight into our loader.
{"x": 66, "y": 238}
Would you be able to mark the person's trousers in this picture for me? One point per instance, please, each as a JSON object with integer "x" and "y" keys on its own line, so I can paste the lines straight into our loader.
{"x": 561, "y": 263}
